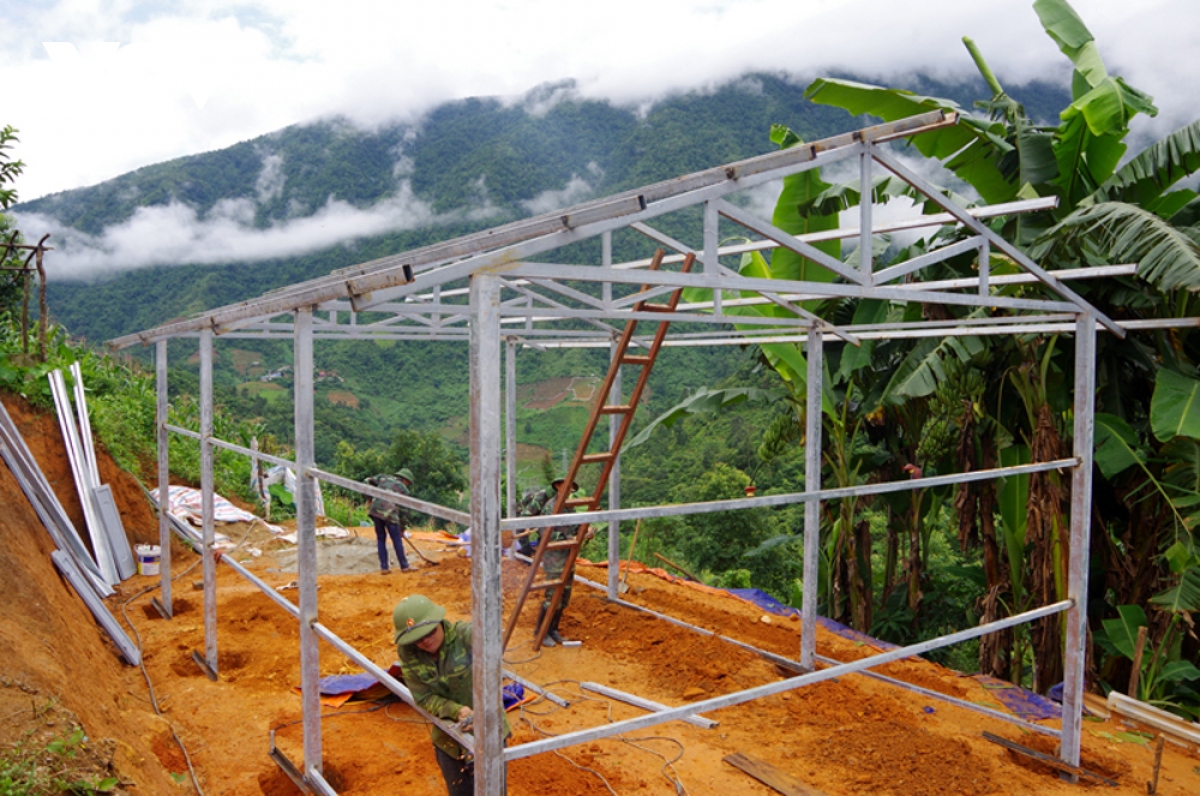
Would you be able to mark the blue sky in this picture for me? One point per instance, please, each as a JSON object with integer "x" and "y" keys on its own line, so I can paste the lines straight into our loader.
{"x": 133, "y": 83}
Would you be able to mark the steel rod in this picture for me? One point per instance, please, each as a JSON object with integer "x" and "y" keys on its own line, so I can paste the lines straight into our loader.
{"x": 578, "y": 518}
{"x": 207, "y": 515}
{"x": 813, "y": 423}
{"x": 1075, "y": 642}
{"x": 306, "y": 538}
{"x": 164, "y": 476}
{"x": 778, "y": 687}
{"x": 645, "y": 704}
{"x": 486, "y": 595}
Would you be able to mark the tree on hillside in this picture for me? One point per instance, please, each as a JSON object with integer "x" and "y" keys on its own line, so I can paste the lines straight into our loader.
{"x": 10, "y": 282}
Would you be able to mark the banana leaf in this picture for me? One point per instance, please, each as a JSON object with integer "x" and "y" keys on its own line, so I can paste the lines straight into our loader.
{"x": 920, "y": 372}
{"x": 1184, "y": 596}
{"x": 1148, "y": 175}
{"x": 1166, "y": 256}
{"x": 1123, "y": 631}
{"x": 1175, "y": 406}
{"x": 1117, "y": 445}
{"x": 971, "y": 149}
{"x": 703, "y": 401}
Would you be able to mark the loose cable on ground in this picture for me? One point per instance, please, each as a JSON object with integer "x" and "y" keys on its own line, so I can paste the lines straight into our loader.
{"x": 142, "y": 658}
{"x": 672, "y": 777}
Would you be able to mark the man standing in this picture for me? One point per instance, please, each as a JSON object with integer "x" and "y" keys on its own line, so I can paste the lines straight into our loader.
{"x": 390, "y": 519}
{"x": 536, "y": 504}
{"x": 435, "y": 657}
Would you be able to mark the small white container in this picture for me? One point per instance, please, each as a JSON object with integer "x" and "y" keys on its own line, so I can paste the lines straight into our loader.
{"x": 148, "y": 556}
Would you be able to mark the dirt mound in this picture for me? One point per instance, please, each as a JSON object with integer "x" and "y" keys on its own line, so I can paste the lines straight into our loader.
{"x": 852, "y": 735}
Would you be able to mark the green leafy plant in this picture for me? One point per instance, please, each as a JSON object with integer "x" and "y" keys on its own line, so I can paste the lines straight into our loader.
{"x": 30, "y": 769}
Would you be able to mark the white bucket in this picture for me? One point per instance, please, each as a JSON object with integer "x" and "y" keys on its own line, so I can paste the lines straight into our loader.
{"x": 147, "y": 559}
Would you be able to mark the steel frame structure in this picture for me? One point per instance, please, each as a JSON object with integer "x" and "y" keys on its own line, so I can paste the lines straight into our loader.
{"x": 489, "y": 290}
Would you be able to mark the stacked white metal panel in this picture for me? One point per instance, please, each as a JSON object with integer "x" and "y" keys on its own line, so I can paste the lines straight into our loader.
{"x": 72, "y": 557}
{"x": 109, "y": 542}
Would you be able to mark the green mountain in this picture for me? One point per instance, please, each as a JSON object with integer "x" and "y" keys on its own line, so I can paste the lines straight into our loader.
{"x": 465, "y": 166}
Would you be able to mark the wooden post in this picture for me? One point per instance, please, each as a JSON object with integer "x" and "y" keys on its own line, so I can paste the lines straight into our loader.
{"x": 1138, "y": 649}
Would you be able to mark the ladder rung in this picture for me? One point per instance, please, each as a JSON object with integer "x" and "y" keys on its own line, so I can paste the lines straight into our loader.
{"x": 593, "y": 458}
{"x": 560, "y": 544}
{"x": 616, "y": 409}
{"x": 648, "y": 307}
{"x": 635, "y": 360}
{"x": 544, "y": 584}
{"x": 573, "y": 502}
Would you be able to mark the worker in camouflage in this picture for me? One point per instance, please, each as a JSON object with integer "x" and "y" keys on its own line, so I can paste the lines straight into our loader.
{"x": 536, "y": 504}
{"x": 390, "y": 518}
{"x": 435, "y": 659}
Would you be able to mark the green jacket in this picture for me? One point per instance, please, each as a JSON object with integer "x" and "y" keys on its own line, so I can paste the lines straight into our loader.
{"x": 385, "y": 510}
{"x": 441, "y": 683}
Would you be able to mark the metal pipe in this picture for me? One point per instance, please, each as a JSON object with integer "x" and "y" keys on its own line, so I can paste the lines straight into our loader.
{"x": 615, "y": 397}
{"x": 787, "y": 663}
{"x": 537, "y": 689}
{"x": 680, "y": 509}
{"x": 645, "y": 704}
{"x": 866, "y": 204}
{"x": 423, "y": 506}
{"x": 1079, "y": 546}
{"x": 207, "y": 514}
{"x": 306, "y": 538}
{"x": 778, "y": 687}
{"x": 486, "y": 596}
{"x": 164, "y": 477}
{"x": 510, "y": 427}
{"x": 813, "y": 420}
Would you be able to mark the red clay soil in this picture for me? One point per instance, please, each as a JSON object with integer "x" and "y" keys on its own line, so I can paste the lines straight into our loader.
{"x": 852, "y": 735}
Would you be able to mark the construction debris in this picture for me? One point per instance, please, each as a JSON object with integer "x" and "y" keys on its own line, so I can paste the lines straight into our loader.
{"x": 1052, "y": 762}
{"x": 1140, "y": 715}
{"x": 770, "y": 776}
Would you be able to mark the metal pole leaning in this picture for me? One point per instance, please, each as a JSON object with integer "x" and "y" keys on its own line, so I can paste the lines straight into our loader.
{"x": 306, "y": 538}
{"x": 486, "y": 598}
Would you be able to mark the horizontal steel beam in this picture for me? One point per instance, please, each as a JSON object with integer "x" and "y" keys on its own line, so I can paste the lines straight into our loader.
{"x": 769, "y": 501}
{"x": 780, "y": 686}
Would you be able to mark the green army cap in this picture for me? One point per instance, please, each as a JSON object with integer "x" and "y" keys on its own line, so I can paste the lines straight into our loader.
{"x": 405, "y": 473}
{"x": 415, "y": 617}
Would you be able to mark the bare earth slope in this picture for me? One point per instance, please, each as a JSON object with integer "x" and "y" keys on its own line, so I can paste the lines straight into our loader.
{"x": 850, "y": 736}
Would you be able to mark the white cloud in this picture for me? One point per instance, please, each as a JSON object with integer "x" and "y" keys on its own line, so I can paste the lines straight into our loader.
{"x": 173, "y": 233}
{"x": 574, "y": 192}
{"x": 271, "y": 179}
{"x": 197, "y": 75}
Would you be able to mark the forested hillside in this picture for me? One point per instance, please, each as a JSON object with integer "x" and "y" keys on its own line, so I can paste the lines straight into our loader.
{"x": 473, "y": 164}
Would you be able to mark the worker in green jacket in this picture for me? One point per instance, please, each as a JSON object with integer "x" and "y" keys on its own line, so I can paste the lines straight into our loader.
{"x": 554, "y": 562}
{"x": 435, "y": 659}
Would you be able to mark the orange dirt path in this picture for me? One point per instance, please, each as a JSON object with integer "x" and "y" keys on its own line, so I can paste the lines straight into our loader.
{"x": 852, "y": 735}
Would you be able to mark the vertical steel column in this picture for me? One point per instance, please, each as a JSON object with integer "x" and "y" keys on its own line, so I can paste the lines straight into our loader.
{"x": 614, "y": 425}
{"x": 164, "y": 476}
{"x": 614, "y": 485}
{"x": 866, "y": 203}
{"x": 510, "y": 428}
{"x": 1075, "y": 652}
{"x": 306, "y": 536}
{"x": 486, "y": 597}
{"x": 206, "y": 500}
{"x": 815, "y": 350}
{"x": 712, "y": 244}
{"x": 985, "y": 268}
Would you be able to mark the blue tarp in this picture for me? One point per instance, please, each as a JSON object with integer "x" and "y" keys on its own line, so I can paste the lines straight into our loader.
{"x": 1020, "y": 701}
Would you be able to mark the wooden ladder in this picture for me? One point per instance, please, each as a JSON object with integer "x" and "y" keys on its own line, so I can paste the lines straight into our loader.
{"x": 605, "y": 459}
